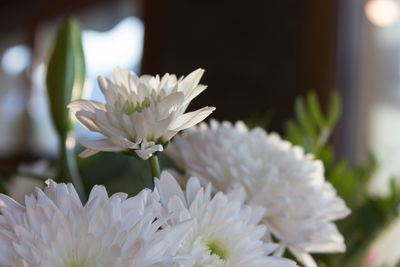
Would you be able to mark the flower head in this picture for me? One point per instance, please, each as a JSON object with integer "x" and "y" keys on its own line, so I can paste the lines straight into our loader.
{"x": 54, "y": 229}
{"x": 224, "y": 233}
{"x": 141, "y": 114}
{"x": 300, "y": 205}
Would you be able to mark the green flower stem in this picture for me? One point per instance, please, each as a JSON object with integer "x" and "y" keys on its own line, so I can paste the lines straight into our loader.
{"x": 70, "y": 167}
{"x": 154, "y": 168}
{"x": 3, "y": 188}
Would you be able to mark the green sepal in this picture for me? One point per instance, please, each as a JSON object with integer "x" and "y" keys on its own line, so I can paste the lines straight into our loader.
{"x": 65, "y": 73}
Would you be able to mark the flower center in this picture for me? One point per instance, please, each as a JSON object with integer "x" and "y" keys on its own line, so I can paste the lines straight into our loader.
{"x": 80, "y": 263}
{"x": 217, "y": 248}
{"x": 129, "y": 107}
{"x": 76, "y": 264}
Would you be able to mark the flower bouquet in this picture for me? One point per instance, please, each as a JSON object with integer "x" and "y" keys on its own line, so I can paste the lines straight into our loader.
{"x": 237, "y": 197}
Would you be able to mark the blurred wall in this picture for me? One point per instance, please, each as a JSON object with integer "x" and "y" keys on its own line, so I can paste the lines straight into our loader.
{"x": 258, "y": 55}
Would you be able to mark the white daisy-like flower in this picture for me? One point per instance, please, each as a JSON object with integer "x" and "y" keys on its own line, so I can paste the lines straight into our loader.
{"x": 300, "y": 205}
{"x": 54, "y": 229}
{"x": 141, "y": 114}
{"x": 225, "y": 233}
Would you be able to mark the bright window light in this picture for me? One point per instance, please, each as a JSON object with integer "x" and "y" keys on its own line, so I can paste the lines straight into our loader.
{"x": 16, "y": 59}
{"x": 382, "y": 12}
{"x": 120, "y": 46}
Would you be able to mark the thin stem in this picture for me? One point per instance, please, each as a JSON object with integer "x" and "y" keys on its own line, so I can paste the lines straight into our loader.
{"x": 3, "y": 188}
{"x": 71, "y": 167}
{"x": 154, "y": 168}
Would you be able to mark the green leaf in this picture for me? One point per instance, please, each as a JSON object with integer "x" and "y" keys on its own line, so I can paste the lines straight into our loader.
{"x": 294, "y": 133}
{"x": 315, "y": 109}
{"x": 334, "y": 110}
{"x": 65, "y": 73}
{"x": 303, "y": 117}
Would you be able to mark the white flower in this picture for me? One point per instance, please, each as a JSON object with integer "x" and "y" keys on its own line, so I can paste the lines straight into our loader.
{"x": 300, "y": 204}
{"x": 54, "y": 229}
{"x": 224, "y": 233}
{"x": 141, "y": 113}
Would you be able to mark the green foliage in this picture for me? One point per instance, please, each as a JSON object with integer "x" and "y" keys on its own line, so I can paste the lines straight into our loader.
{"x": 65, "y": 73}
{"x": 119, "y": 172}
{"x": 65, "y": 80}
{"x": 311, "y": 129}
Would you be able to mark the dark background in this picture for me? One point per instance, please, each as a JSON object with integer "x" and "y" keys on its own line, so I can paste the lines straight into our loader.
{"x": 258, "y": 55}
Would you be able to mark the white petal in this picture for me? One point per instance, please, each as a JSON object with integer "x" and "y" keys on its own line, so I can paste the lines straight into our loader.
{"x": 191, "y": 81}
{"x": 86, "y": 119}
{"x": 146, "y": 153}
{"x": 124, "y": 143}
{"x": 88, "y": 105}
{"x": 165, "y": 105}
{"x": 120, "y": 76}
{"x": 88, "y": 152}
{"x": 187, "y": 120}
{"x": 303, "y": 257}
{"x": 196, "y": 91}
{"x": 107, "y": 88}
{"x": 101, "y": 145}
{"x": 169, "y": 187}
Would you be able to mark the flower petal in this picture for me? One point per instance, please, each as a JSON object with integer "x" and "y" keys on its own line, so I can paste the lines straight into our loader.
{"x": 88, "y": 105}
{"x": 101, "y": 145}
{"x": 190, "y": 82}
{"x": 169, "y": 188}
{"x": 189, "y": 119}
{"x": 146, "y": 152}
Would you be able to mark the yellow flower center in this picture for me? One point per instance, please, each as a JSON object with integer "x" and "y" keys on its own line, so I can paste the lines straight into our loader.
{"x": 218, "y": 248}
{"x": 76, "y": 264}
{"x": 129, "y": 108}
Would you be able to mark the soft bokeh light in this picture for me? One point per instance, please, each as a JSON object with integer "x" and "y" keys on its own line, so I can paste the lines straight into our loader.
{"x": 16, "y": 59}
{"x": 120, "y": 46}
{"x": 382, "y": 13}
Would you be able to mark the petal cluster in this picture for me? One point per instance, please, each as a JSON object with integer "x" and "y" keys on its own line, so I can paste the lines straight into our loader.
{"x": 54, "y": 229}
{"x": 224, "y": 232}
{"x": 300, "y": 205}
{"x": 141, "y": 114}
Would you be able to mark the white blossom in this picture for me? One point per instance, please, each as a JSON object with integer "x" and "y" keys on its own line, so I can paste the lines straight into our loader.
{"x": 300, "y": 205}
{"x": 225, "y": 233}
{"x": 54, "y": 229}
{"x": 141, "y": 114}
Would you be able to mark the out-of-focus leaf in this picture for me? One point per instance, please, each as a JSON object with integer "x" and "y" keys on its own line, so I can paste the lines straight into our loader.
{"x": 294, "y": 133}
{"x": 303, "y": 117}
{"x": 335, "y": 109}
{"x": 311, "y": 128}
{"x": 65, "y": 73}
{"x": 315, "y": 109}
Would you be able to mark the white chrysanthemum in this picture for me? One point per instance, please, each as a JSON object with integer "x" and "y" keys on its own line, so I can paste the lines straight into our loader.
{"x": 141, "y": 113}
{"x": 225, "y": 233}
{"x": 300, "y": 204}
{"x": 54, "y": 229}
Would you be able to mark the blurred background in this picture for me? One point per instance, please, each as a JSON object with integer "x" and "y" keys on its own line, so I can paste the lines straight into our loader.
{"x": 258, "y": 56}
